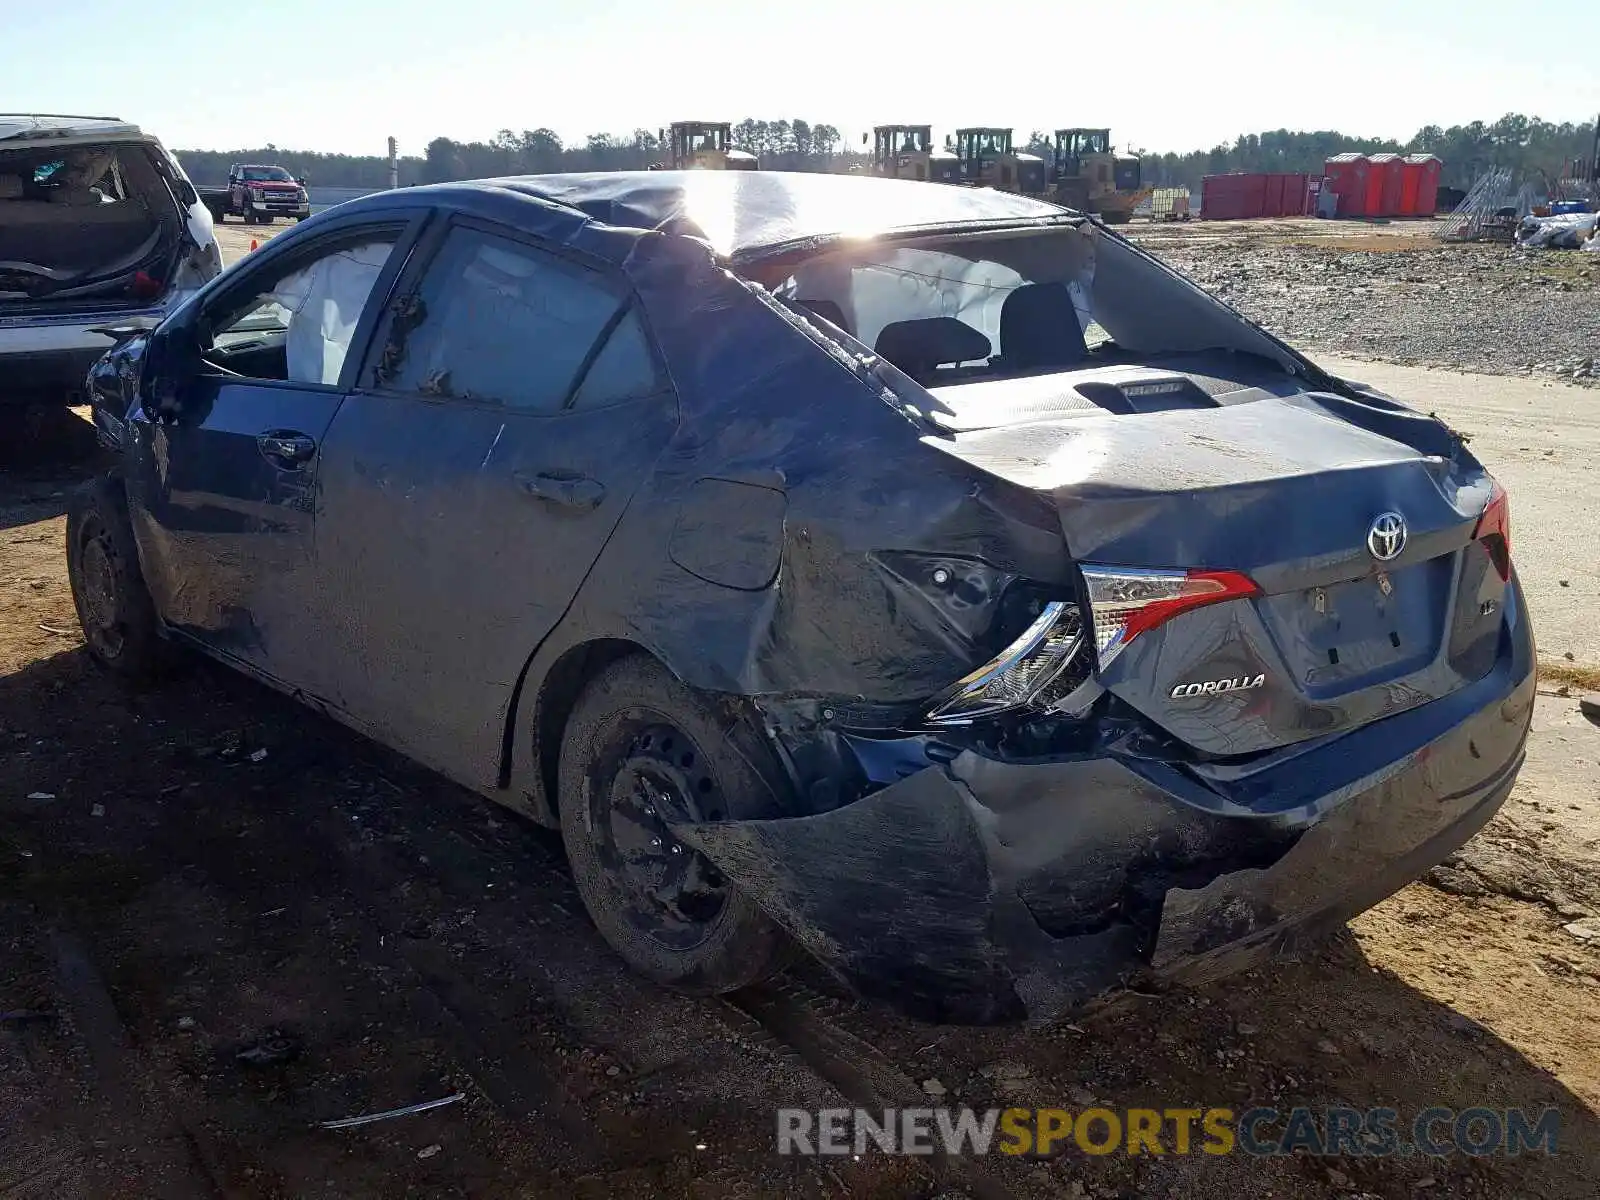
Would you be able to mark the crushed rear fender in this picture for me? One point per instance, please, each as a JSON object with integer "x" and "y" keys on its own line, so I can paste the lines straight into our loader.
{"x": 981, "y": 891}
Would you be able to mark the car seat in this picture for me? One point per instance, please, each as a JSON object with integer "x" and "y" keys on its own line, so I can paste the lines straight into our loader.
{"x": 1039, "y": 329}
{"x": 920, "y": 348}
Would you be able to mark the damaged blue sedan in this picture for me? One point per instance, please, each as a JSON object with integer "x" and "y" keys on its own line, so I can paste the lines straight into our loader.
{"x": 921, "y": 577}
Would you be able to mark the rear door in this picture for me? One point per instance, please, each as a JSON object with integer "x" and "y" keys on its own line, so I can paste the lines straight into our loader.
{"x": 511, "y": 403}
{"x": 223, "y": 489}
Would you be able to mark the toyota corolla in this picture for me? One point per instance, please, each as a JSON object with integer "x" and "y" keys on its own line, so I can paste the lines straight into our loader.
{"x": 921, "y": 577}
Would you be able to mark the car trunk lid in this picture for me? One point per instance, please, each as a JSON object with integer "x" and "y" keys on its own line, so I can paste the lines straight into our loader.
{"x": 1285, "y": 491}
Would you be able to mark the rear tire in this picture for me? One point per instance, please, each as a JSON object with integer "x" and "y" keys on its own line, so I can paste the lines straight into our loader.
{"x": 641, "y": 747}
{"x": 114, "y": 607}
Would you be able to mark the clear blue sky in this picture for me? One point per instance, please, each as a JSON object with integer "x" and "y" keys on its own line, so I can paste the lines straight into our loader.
{"x": 1165, "y": 75}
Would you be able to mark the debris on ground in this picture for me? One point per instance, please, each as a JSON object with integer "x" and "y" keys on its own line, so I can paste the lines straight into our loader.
{"x": 1570, "y": 231}
{"x": 1585, "y": 930}
{"x": 391, "y": 1114}
{"x": 269, "y": 1051}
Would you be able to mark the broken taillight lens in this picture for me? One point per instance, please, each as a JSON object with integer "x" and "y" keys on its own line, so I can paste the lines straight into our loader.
{"x": 1494, "y": 530}
{"x": 1020, "y": 673}
{"x": 1128, "y": 601}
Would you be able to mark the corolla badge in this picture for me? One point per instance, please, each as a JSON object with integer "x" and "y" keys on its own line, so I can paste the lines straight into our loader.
{"x": 1387, "y": 536}
{"x": 1215, "y": 687}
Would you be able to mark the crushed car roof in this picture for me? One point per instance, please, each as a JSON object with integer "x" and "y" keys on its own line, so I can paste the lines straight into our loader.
{"x": 744, "y": 211}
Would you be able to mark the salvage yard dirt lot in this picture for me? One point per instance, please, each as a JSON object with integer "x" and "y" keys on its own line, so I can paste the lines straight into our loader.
{"x": 224, "y": 920}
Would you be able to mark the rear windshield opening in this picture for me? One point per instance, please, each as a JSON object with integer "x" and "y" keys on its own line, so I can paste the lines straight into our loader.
{"x": 959, "y": 308}
{"x": 78, "y": 223}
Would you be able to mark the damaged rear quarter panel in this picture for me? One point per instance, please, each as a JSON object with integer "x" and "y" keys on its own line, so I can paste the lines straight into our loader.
{"x": 738, "y": 593}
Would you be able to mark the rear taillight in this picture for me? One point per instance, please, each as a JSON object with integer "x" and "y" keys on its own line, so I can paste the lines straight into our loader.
{"x": 1494, "y": 530}
{"x": 1128, "y": 601}
{"x": 1023, "y": 673}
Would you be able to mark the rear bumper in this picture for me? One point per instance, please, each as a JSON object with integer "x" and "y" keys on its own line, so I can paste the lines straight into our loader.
{"x": 46, "y": 361}
{"x": 986, "y": 891}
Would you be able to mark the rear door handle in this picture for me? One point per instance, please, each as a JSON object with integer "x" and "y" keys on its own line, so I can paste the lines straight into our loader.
{"x": 286, "y": 448}
{"x": 579, "y": 492}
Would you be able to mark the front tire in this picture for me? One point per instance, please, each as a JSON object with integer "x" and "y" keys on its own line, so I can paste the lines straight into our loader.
{"x": 114, "y": 607}
{"x": 641, "y": 749}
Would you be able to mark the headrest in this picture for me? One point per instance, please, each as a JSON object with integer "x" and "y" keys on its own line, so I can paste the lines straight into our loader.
{"x": 933, "y": 341}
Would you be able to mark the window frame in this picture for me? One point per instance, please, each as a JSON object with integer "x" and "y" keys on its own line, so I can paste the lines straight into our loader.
{"x": 415, "y": 275}
{"x": 278, "y": 261}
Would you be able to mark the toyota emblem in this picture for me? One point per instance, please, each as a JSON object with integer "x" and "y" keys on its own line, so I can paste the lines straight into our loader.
{"x": 1387, "y": 537}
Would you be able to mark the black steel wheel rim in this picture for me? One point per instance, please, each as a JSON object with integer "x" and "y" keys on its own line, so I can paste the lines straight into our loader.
{"x": 98, "y": 592}
{"x": 655, "y": 777}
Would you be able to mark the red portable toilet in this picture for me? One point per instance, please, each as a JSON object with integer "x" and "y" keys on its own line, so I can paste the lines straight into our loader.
{"x": 1347, "y": 178}
{"x": 1419, "y": 186}
{"x": 1385, "y": 177}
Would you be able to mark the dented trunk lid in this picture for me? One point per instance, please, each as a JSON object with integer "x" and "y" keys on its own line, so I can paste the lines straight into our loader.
{"x": 1284, "y": 488}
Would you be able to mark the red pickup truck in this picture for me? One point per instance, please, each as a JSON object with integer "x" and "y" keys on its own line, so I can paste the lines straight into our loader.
{"x": 259, "y": 194}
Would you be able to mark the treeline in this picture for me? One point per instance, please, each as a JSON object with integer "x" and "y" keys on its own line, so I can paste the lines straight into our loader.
{"x": 1527, "y": 144}
{"x": 328, "y": 170}
{"x": 780, "y": 145}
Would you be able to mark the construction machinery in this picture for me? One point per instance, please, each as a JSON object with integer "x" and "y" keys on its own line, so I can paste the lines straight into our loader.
{"x": 987, "y": 160}
{"x": 1086, "y": 175}
{"x": 907, "y": 152}
{"x": 705, "y": 146}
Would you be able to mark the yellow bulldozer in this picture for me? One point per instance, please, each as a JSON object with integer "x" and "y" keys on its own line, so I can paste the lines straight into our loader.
{"x": 703, "y": 146}
{"x": 987, "y": 160}
{"x": 907, "y": 152}
{"x": 1086, "y": 175}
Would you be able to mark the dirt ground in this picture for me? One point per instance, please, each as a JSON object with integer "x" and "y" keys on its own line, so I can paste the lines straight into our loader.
{"x": 224, "y": 920}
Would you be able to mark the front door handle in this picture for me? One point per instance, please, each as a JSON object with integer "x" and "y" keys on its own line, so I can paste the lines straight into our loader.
{"x": 579, "y": 492}
{"x": 286, "y": 448}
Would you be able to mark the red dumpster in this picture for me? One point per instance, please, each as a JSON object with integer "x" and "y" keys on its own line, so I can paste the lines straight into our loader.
{"x": 1385, "y": 177}
{"x": 1294, "y": 194}
{"x": 1419, "y": 185}
{"x": 1272, "y": 195}
{"x": 1234, "y": 197}
{"x": 1347, "y": 178}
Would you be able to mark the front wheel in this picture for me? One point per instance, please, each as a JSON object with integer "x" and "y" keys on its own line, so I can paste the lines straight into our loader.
{"x": 108, "y": 590}
{"x": 641, "y": 752}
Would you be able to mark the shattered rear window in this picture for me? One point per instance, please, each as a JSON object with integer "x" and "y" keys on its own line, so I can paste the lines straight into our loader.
{"x": 996, "y": 305}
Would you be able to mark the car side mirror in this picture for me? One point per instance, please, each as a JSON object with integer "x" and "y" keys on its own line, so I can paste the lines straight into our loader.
{"x": 300, "y": 179}
{"x": 172, "y": 356}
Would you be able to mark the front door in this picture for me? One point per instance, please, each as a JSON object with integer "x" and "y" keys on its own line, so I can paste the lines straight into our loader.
{"x": 511, "y": 404}
{"x": 222, "y": 485}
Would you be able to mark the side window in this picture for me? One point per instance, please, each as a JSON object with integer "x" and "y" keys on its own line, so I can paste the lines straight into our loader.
{"x": 624, "y": 368}
{"x": 500, "y": 322}
{"x": 297, "y": 326}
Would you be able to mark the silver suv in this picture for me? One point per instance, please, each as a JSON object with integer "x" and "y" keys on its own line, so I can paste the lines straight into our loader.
{"x": 99, "y": 229}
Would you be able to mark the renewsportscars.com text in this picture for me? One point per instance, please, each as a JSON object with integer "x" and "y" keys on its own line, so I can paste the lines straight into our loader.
{"x": 1352, "y": 1132}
